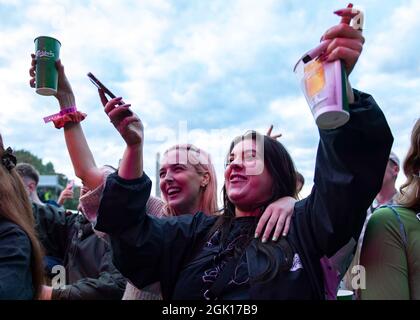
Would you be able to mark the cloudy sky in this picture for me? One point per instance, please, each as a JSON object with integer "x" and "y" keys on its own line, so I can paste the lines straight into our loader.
{"x": 198, "y": 71}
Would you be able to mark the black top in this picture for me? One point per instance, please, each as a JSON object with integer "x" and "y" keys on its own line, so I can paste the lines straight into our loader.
{"x": 15, "y": 263}
{"x": 200, "y": 274}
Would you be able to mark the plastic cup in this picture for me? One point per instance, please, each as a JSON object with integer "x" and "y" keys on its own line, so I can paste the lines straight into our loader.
{"x": 47, "y": 52}
{"x": 324, "y": 87}
{"x": 344, "y": 294}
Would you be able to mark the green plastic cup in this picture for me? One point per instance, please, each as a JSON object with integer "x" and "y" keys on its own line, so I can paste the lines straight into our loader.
{"x": 47, "y": 52}
{"x": 344, "y": 295}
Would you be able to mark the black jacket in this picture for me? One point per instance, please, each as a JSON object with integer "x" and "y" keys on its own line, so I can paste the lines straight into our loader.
{"x": 90, "y": 273}
{"x": 15, "y": 263}
{"x": 350, "y": 165}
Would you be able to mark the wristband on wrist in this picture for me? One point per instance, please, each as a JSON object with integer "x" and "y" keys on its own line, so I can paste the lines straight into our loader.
{"x": 60, "y": 114}
{"x": 72, "y": 117}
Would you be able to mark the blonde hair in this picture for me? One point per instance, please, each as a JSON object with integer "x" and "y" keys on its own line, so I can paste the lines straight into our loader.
{"x": 201, "y": 162}
{"x": 15, "y": 207}
{"x": 409, "y": 196}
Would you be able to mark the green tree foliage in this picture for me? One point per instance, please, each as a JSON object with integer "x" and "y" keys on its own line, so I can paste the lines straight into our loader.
{"x": 26, "y": 156}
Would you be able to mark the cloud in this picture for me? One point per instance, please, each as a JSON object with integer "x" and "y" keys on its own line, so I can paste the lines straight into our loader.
{"x": 224, "y": 67}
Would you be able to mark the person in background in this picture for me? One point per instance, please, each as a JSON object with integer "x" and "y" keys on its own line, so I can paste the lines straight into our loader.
{"x": 391, "y": 247}
{"x": 21, "y": 256}
{"x": 386, "y": 196}
{"x": 30, "y": 177}
{"x": 70, "y": 241}
{"x": 300, "y": 181}
{"x": 66, "y": 194}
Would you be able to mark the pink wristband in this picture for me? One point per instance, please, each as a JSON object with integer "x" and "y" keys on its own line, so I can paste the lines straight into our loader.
{"x": 60, "y": 114}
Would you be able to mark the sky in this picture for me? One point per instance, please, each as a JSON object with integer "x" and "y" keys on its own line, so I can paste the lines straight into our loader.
{"x": 201, "y": 72}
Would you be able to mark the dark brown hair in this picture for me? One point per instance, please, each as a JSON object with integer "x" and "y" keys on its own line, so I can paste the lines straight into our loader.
{"x": 409, "y": 190}
{"x": 280, "y": 166}
{"x": 28, "y": 171}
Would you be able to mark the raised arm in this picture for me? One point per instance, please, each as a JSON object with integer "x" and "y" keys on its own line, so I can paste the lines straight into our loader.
{"x": 130, "y": 128}
{"x": 146, "y": 249}
{"x": 350, "y": 160}
{"x": 80, "y": 154}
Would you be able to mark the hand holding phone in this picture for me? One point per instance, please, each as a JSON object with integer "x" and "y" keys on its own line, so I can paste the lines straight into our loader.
{"x": 70, "y": 185}
{"x": 101, "y": 86}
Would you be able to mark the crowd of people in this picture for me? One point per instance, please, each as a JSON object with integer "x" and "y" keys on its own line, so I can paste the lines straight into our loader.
{"x": 354, "y": 231}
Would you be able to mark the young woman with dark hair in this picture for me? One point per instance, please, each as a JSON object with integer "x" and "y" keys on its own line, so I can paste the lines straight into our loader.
{"x": 217, "y": 257}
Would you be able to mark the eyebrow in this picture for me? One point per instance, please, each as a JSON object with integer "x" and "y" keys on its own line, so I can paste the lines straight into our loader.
{"x": 246, "y": 151}
{"x": 172, "y": 165}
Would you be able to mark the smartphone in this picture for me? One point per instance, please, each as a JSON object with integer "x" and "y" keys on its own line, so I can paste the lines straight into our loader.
{"x": 100, "y": 85}
{"x": 70, "y": 184}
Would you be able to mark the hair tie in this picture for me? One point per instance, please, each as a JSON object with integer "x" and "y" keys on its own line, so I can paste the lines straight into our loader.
{"x": 8, "y": 159}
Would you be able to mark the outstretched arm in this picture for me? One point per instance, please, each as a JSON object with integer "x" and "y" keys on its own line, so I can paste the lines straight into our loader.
{"x": 80, "y": 154}
{"x": 350, "y": 160}
{"x": 130, "y": 128}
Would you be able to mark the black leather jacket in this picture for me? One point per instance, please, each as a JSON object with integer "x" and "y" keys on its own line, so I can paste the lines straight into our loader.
{"x": 87, "y": 258}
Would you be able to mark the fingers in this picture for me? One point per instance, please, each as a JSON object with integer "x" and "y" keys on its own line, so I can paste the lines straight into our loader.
{"x": 33, "y": 62}
{"x": 346, "y": 44}
{"x": 67, "y": 192}
{"x": 354, "y": 44}
{"x": 348, "y": 56}
{"x": 279, "y": 227}
{"x": 67, "y": 195}
{"x": 261, "y": 223}
{"x": 286, "y": 226}
{"x": 111, "y": 104}
{"x": 347, "y": 14}
{"x": 59, "y": 66}
{"x": 120, "y": 112}
{"x": 342, "y": 31}
{"x": 32, "y": 71}
{"x": 269, "y": 131}
{"x": 269, "y": 227}
{"x": 104, "y": 100}
{"x": 271, "y": 219}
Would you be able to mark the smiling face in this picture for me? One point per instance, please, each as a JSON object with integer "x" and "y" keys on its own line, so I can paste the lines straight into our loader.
{"x": 247, "y": 180}
{"x": 180, "y": 183}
